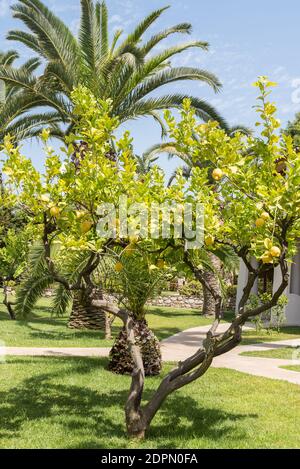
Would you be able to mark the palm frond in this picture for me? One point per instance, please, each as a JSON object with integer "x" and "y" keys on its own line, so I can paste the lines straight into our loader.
{"x": 54, "y": 36}
{"x": 241, "y": 129}
{"x": 31, "y": 65}
{"x": 61, "y": 78}
{"x": 229, "y": 258}
{"x": 35, "y": 282}
{"x": 174, "y": 101}
{"x": 8, "y": 57}
{"x": 156, "y": 116}
{"x": 166, "y": 77}
{"x": 142, "y": 27}
{"x": 115, "y": 39}
{"x": 153, "y": 65}
{"x": 31, "y": 125}
{"x": 72, "y": 266}
{"x": 28, "y": 40}
{"x": 61, "y": 301}
{"x": 184, "y": 170}
{"x": 166, "y": 147}
{"x": 183, "y": 28}
{"x": 104, "y": 28}
{"x": 126, "y": 73}
{"x": 88, "y": 37}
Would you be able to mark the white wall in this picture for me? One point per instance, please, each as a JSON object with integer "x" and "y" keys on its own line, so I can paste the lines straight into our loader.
{"x": 292, "y": 310}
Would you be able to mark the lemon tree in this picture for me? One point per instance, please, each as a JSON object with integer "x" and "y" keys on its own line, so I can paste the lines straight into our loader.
{"x": 63, "y": 203}
{"x": 254, "y": 208}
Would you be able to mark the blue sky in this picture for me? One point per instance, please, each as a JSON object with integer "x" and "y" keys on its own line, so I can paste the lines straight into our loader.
{"x": 246, "y": 39}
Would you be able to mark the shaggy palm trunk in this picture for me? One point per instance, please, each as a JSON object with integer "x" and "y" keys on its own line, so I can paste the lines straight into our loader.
{"x": 209, "y": 303}
{"x": 86, "y": 316}
{"x": 120, "y": 359}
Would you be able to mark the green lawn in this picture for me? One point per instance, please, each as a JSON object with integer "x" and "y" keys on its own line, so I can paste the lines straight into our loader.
{"x": 284, "y": 353}
{"x": 292, "y": 368}
{"x": 42, "y": 330}
{"x": 253, "y": 337}
{"x": 75, "y": 403}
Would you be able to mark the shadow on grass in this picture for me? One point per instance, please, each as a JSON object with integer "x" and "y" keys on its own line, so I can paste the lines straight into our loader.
{"x": 58, "y": 328}
{"x": 40, "y": 397}
{"x": 34, "y": 318}
{"x": 67, "y": 334}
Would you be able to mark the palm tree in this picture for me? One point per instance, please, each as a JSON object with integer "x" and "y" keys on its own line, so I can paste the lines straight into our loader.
{"x": 38, "y": 278}
{"x": 12, "y": 99}
{"x": 127, "y": 71}
{"x": 145, "y": 162}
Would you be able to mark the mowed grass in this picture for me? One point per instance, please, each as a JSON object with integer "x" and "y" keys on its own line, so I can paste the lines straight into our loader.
{"x": 257, "y": 337}
{"x": 288, "y": 353}
{"x": 42, "y": 330}
{"x": 292, "y": 368}
{"x": 76, "y": 403}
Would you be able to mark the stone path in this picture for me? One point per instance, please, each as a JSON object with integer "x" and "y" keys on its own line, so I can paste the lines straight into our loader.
{"x": 182, "y": 345}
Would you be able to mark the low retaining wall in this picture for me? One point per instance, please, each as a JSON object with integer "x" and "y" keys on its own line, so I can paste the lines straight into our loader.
{"x": 177, "y": 301}
{"x": 172, "y": 301}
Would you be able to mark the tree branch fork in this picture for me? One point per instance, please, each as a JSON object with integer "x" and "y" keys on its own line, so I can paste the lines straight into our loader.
{"x": 138, "y": 416}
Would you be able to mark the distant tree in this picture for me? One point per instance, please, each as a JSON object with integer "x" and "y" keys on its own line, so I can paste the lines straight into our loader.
{"x": 293, "y": 129}
{"x": 14, "y": 243}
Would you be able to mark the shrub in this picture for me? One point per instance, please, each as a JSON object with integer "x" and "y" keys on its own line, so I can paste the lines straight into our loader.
{"x": 192, "y": 288}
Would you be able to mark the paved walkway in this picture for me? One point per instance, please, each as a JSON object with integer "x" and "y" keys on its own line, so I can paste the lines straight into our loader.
{"x": 182, "y": 345}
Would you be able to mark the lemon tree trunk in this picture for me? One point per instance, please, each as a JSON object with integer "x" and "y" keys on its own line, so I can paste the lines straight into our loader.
{"x": 209, "y": 303}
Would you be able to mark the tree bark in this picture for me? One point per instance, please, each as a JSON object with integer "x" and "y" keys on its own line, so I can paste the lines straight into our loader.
{"x": 134, "y": 415}
{"x": 8, "y": 304}
{"x": 120, "y": 359}
{"x": 86, "y": 316}
{"x": 209, "y": 303}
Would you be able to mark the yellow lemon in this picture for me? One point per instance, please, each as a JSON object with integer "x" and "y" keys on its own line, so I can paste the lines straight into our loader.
{"x": 275, "y": 251}
{"x": 267, "y": 258}
{"x": 209, "y": 240}
{"x": 55, "y": 212}
{"x": 260, "y": 222}
{"x": 86, "y": 226}
{"x": 79, "y": 214}
{"x": 217, "y": 174}
{"x": 265, "y": 216}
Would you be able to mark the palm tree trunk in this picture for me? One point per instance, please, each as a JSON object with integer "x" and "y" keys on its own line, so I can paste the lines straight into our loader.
{"x": 86, "y": 316}
{"x": 209, "y": 303}
{"x": 120, "y": 359}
